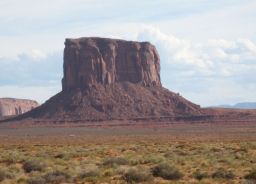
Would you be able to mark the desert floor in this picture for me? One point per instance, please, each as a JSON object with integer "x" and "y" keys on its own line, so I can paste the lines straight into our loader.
{"x": 121, "y": 152}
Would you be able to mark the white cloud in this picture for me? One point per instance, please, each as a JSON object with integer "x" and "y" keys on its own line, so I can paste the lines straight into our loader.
{"x": 212, "y": 57}
{"x": 200, "y": 42}
{"x": 33, "y": 55}
{"x": 36, "y": 55}
{"x": 229, "y": 22}
{"x": 31, "y": 69}
{"x": 187, "y": 65}
{"x": 175, "y": 50}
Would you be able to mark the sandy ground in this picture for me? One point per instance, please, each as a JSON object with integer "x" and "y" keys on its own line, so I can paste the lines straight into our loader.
{"x": 78, "y": 133}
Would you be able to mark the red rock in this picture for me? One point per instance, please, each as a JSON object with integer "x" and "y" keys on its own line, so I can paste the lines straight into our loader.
{"x": 92, "y": 61}
{"x": 14, "y": 107}
{"x": 109, "y": 79}
{"x": 106, "y": 79}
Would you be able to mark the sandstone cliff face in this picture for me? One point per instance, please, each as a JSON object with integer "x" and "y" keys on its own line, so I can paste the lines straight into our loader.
{"x": 14, "y": 107}
{"x": 92, "y": 61}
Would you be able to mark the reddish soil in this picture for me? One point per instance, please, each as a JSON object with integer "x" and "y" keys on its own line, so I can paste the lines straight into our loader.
{"x": 123, "y": 132}
{"x": 119, "y": 101}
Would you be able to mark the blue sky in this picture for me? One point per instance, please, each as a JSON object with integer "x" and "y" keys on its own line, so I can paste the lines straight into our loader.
{"x": 207, "y": 48}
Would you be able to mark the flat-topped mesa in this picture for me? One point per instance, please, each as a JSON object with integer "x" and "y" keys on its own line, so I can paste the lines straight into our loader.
{"x": 92, "y": 61}
{"x": 13, "y": 107}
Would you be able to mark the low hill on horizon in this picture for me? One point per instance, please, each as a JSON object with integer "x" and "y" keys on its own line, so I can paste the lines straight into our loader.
{"x": 240, "y": 105}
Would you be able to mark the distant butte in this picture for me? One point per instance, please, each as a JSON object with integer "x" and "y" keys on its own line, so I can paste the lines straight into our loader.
{"x": 10, "y": 107}
{"x": 111, "y": 79}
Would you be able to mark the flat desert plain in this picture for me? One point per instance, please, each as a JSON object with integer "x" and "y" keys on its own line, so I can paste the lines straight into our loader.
{"x": 128, "y": 152}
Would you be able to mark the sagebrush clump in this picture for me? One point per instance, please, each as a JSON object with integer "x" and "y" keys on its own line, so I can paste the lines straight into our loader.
{"x": 135, "y": 175}
{"x": 89, "y": 171}
{"x": 223, "y": 174}
{"x": 33, "y": 165}
{"x": 115, "y": 161}
{"x": 56, "y": 177}
{"x": 2, "y": 175}
{"x": 199, "y": 175}
{"x": 167, "y": 172}
{"x": 251, "y": 175}
{"x": 38, "y": 180}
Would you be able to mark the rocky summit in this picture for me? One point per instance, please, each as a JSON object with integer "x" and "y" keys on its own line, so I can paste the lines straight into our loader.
{"x": 108, "y": 79}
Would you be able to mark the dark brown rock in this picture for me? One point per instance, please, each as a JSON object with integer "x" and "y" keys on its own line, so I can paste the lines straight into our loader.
{"x": 92, "y": 61}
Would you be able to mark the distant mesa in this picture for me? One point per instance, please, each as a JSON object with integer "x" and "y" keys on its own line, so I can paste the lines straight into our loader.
{"x": 241, "y": 105}
{"x": 10, "y": 107}
{"x": 111, "y": 79}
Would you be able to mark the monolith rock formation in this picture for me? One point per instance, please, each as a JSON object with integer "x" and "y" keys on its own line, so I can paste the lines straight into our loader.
{"x": 92, "y": 61}
{"x": 10, "y": 107}
{"x": 108, "y": 79}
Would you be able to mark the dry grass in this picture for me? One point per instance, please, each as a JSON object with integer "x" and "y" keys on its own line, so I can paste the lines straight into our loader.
{"x": 191, "y": 153}
{"x": 131, "y": 162}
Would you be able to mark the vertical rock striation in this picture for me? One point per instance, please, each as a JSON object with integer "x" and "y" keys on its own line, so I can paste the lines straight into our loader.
{"x": 92, "y": 61}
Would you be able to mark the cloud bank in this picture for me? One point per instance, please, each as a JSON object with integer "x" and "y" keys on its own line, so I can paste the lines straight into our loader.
{"x": 31, "y": 69}
{"x": 216, "y": 68}
{"x": 207, "y": 48}
{"x": 32, "y": 75}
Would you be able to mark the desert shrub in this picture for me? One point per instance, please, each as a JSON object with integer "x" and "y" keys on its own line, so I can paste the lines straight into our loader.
{"x": 251, "y": 175}
{"x": 166, "y": 172}
{"x": 115, "y": 161}
{"x": 223, "y": 174}
{"x": 5, "y": 175}
{"x": 122, "y": 169}
{"x": 33, "y": 165}
{"x": 169, "y": 154}
{"x": 89, "y": 171}
{"x": 38, "y": 180}
{"x": 200, "y": 175}
{"x": 134, "y": 176}
{"x": 153, "y": 159}
{"x": 22, "y": 180}
{"x": 136, "y": 161}
{"x": 248, "y": 182}
{"x": 61, "y": 155}
{"x": 14, "y": 169}
{"x": 65, "y": 155}
{"x": 11, "y": 158}
{"x": 56, "y": 177}
{"x": 108, "y": 172}
{"x": 2, "y": 175}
